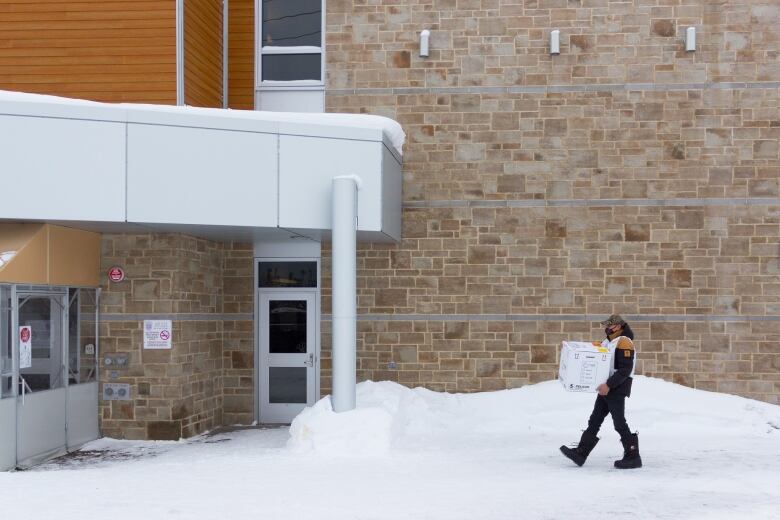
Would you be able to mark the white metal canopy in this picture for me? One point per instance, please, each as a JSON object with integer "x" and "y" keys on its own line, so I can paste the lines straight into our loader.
{"x": 208, "y": 172}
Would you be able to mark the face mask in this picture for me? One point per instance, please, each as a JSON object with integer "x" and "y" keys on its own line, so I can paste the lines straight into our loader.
{"x": 609, "y": 331}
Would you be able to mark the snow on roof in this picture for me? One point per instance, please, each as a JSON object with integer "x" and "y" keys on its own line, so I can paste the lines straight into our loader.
{"x": 391, "y": 129}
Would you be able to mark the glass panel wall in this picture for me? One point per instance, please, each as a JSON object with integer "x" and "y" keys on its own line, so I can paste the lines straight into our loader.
{"x": 6, "y": 344}
{"x": 43, "y": 313}
{"x": 82, "y": 341}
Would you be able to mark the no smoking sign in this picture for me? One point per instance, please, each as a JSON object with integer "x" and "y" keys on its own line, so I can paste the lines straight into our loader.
{"x": 157, "y": 334}
{"x": 25, "y": 346}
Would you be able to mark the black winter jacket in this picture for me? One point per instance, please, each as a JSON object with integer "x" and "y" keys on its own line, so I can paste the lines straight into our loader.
{"x": 620, "y": 382}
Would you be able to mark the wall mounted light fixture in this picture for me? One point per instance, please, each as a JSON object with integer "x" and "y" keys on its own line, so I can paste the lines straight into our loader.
{"x": 555, "y": 41}
{"x": 424, "y": 37}
{"x": 690, "y": 39}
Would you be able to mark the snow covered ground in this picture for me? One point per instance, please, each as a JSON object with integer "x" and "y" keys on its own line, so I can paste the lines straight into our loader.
{"x": 424, "y": 455}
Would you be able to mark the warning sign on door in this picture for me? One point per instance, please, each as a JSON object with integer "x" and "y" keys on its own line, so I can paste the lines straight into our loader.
{"x": 25, "y": 346}
{"x": 157, "y": 334}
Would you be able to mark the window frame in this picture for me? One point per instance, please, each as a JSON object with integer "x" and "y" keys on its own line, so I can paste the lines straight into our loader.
{"x": 260, "y": 50}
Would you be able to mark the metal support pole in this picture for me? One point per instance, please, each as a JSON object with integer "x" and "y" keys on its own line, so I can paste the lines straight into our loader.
{"x": 344, "y": 292}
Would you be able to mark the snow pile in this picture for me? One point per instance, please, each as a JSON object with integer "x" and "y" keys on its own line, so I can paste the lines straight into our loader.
{"x": 391, "y": 417}
{"x": 392, "y": 129}
{"x": 363, "y": 432}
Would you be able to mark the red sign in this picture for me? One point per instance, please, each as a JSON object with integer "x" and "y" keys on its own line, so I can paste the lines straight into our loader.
{"x": 165, "y": 335}
{"x": 24, "y": 334}
{"x": 116, "y": 274}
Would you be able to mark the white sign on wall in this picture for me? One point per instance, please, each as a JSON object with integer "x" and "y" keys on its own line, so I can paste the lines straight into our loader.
{"x": 25, "y": 346}
{"x": 157, "y": 334}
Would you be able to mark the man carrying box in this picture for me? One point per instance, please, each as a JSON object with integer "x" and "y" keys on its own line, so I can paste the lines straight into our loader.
{"x": 612, "y": 398}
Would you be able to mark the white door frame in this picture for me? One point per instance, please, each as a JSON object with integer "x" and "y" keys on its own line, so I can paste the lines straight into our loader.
{"x": 8, "y": 406}
{"x": 277, "y": 413}
{"x": 81, "y": 420}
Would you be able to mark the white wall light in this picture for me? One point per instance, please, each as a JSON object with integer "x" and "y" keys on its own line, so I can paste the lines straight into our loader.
{"x": 555, "y": 42}
{"x": 690, "y": 39}
{"x": 424, "y": 37}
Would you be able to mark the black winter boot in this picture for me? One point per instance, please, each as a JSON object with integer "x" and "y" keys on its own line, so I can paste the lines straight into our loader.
{"x": 631, "y": 458}
{"x": 579, "y": 454}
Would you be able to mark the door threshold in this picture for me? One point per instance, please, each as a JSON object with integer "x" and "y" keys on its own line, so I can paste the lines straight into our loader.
{"x": 241, "y": 427}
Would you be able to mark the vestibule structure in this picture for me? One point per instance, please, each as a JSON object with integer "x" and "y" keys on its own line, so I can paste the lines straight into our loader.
{"x": 82, "y": 180}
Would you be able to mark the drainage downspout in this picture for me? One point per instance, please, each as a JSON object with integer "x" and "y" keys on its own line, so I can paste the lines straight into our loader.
{"x": 344, "y": 268}
{"x": 180, "y": 52}
{"x": 225, "y": 53}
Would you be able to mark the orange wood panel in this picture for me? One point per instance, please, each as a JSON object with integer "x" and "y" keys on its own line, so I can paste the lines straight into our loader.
{"x": 106, "y": 50}
{"x": 203, "y": 53}
{"x": 241, "y": 54}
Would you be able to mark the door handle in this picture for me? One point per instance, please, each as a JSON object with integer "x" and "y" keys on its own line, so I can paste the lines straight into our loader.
{"x": 25, "y": 387}
{"x": 310, "y": 361}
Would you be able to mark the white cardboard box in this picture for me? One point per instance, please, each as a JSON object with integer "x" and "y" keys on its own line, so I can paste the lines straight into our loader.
{"x": 584, "y": 366}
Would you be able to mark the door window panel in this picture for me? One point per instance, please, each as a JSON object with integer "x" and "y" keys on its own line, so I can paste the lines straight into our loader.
{"x": 287, "y": 320}
{"x": 287, "y": 385}
{"x": 43, "y": 314}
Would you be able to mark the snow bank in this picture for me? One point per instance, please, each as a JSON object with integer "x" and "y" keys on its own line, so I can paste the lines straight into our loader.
{"x": 491, "y": 456}
{"x": 389, "y": 416}
{"x": 392, "y": 129}
{"x": 364, "y": 431}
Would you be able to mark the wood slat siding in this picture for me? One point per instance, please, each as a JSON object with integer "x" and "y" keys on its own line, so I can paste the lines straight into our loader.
{"x": 105, "y": 50}
{"x": 241, "y": 56}
{"x": 203, "y": 53}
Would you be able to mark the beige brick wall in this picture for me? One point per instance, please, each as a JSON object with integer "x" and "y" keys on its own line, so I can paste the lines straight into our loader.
{"x": 238, "y": 354}
{"x": 584, "y": 145}
{"x": 505, "y": 42}
{"x": 543, "y": 192}
{"x": 178, "y": 392}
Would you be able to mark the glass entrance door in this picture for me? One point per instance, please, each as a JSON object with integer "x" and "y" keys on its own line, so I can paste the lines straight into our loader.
{"x": 41, "y": 393}
{"x": 48, "y": 372}
{"x": 288, "y": 357}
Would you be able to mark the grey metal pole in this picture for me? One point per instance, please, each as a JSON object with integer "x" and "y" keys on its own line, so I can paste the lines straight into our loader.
{"x": 344, "y": 292}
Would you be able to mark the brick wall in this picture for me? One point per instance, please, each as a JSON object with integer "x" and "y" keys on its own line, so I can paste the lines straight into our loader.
{"x": 542, "y": 193}
{"x": 506, "y": 42}
{"x": 238, "y": 353}
{"x": 178, "y": 392}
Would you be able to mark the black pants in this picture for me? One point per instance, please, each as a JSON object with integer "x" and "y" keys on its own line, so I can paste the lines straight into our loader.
{"x": 615, "y": 405}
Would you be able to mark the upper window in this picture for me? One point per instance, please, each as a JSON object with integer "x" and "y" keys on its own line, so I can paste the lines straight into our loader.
{"x": 289, "y": 273}
{"x": 291, "y": 41}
